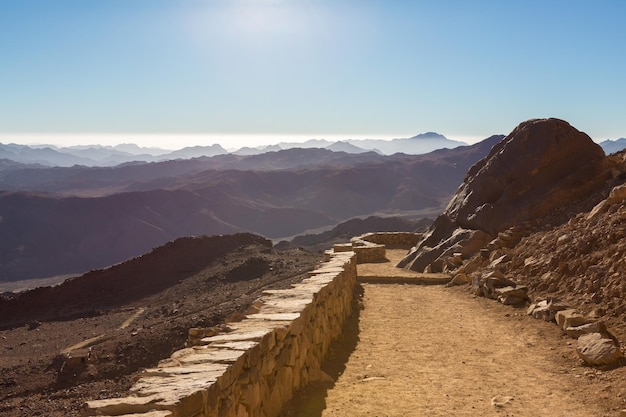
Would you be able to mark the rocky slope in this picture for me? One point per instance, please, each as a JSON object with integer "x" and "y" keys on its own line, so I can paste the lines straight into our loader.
{"x": 111, "y": 323}
{"x": 582, "y": 261}
{"x": 573, "y": 259}
{"x": 541, "y": 166}
{"x": 547, "y": 221}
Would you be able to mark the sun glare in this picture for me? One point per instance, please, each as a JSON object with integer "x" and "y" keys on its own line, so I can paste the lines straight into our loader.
{"x": 249, "y": 23}
{"x": 258, "y": 20}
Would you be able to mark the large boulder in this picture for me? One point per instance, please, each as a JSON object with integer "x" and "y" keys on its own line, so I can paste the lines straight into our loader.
{"x": 541, "y": 165}
{"x": 595, "y": 349}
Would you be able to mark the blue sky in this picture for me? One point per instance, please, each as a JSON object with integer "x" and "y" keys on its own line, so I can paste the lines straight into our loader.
{"x": 236, "y": 68}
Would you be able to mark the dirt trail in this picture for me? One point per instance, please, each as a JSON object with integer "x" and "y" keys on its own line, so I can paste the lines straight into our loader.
{"x": 436, "y": 351}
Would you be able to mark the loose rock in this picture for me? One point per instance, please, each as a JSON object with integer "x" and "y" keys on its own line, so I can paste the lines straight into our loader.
{"x": 595, "y": 349}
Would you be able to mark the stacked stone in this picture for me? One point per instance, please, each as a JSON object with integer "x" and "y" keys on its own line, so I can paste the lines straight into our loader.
{"x": 255, "y": 367}
{"x": 365, "y": 251}
{"x": 493, "y": 284}
{"x": 392, "y": 239}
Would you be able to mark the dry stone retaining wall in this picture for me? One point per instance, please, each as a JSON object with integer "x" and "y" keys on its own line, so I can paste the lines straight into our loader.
{"x": 392, "y": 239}
{"x": 365, "y": 251}
{"x": 256, "y": 367}
{"x": 371, "y": 247}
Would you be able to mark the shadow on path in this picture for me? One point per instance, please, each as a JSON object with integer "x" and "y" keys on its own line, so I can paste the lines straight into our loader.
{"x": 310, "y": 401}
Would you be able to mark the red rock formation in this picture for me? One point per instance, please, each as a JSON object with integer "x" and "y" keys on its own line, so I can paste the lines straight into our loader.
{"x": 541, "y": 165}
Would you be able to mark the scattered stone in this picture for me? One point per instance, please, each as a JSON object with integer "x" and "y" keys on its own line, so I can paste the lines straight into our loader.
{"x": 500, "y": 260}
{"x": 514, "y": 296}
{"x": 373, "y": 378}
{"x": 459, "y": 279}
{"x": 34, "y": 324}
{"x": 511, "y": 301}
{"x": 594, "y": 327}
{"x": 570, "y": 318}
{"x": 595, "y": 349}
{"x": 470, "y": 266}
{"x": 500, "y": 401}
{"x": 563, "y": 240}
{"x": 520, "y": 291}
{"x": 546, "y": 309}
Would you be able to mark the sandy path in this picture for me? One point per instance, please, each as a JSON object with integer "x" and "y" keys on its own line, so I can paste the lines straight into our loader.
{"x": 431, "y": 351}
{"x": 434, "y": 351}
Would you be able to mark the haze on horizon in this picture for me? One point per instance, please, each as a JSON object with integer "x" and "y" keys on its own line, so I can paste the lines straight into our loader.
{"x": 283, "y": 69}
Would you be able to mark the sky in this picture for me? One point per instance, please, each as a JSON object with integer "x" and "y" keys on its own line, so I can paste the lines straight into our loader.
{"x": 175, "y": 73}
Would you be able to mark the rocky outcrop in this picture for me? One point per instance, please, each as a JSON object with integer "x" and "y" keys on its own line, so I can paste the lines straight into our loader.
{"x": 540, "y": 166}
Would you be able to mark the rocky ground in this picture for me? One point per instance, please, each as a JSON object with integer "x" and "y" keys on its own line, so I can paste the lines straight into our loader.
{"x": 577, "y": 255}
{"x": 116, "y": 342}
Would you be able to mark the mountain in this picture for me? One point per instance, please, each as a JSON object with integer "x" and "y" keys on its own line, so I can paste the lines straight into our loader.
{"x": 419, "y": 144}
{"x": 138, "y": 150}
{"x": 46, "y": 234}
{"x": 111, "y": 156}
{"x": 44, "y": 156}
{"x": 611, "y": 146}
{"x": 133, "y": 279}
{"x": 138, "y": 176}
{"x": 103, "y": 156}
{"x": 540, "y": 167}
{"x": 311, "y": 143}
{"x": 248, "y": 151}
{"x": 195, "y": 152}
{"x": 108, "y": 156}
{"x": 343, "y": 146}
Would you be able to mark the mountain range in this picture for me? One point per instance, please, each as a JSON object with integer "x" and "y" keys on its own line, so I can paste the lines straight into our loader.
{"x": 57, "y": 221}
{"x": 96, "y": 155}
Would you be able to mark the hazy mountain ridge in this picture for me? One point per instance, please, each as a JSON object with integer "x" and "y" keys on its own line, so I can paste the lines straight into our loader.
{"x": 611, "y": 146}
{"x": 106, "y": 156}
{"x": 138, "y": 176}
{"x": 51, "y": 234}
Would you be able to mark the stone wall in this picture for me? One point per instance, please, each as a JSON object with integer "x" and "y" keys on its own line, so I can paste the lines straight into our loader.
{"x": 255, "y": 367}
{"x": 392, "y": 239}
{"x": 365, "y": 251}
{"x": 371, "y": 247}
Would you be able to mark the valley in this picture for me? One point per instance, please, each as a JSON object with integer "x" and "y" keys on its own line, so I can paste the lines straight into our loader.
{"x": 59, "y": 221}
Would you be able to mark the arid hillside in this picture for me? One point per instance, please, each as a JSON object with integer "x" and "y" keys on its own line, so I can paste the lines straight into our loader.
{"x": 119, "y": 320}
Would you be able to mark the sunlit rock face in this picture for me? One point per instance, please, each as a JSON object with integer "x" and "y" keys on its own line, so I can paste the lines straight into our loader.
{"x": 541, "y": 165}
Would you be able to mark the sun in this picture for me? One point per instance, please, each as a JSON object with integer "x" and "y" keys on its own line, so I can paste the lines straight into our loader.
{"x": 252, "y": 23}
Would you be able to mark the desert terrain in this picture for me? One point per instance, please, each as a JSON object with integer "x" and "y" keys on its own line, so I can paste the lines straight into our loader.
{"x": 431, "y": 350}
{"x": 126, "y": 337}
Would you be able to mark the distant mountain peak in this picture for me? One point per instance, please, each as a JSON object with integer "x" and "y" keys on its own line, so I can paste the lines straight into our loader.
{"x": 611, "y": 146}
{"x": 429, "y": 135}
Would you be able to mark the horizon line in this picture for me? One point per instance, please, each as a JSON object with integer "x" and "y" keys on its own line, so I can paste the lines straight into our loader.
{"x": 181, "y": 140}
